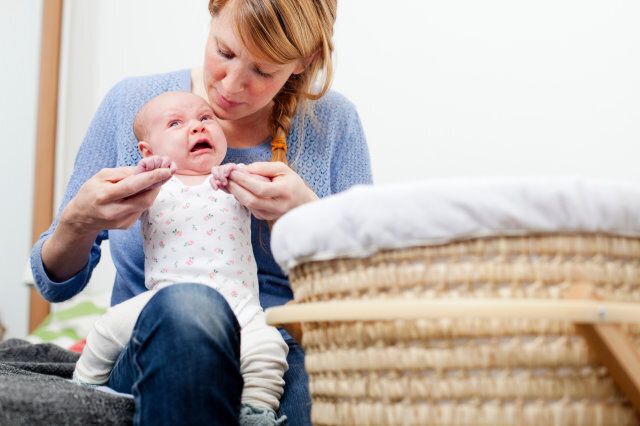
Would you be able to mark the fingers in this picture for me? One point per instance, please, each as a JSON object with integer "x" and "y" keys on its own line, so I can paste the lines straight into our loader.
{"x": 262, "y": 208}
{"x": 115, "y": 174}
{"x": 267, "y": 168}
{"x": 137, "y": 183}
{"x": 153, "y": 162}
{"x": 257, "y": 184}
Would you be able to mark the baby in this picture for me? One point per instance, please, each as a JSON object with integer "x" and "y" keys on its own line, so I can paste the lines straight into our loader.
{"x": 194, "y": 234}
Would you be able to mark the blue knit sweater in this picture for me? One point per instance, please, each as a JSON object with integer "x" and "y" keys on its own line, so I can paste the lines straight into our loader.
{"x": 331, "y": 156}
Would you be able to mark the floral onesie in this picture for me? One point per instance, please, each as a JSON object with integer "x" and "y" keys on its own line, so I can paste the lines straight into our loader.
{"x": 194, "y": 234}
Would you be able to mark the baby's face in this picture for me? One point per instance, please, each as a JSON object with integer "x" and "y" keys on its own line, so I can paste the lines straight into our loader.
{"x": 182, "y": 126}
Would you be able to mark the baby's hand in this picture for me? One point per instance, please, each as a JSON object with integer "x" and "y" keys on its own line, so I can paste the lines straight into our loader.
{"x": 220, "y": 175}
{"x": 154, "y": 162}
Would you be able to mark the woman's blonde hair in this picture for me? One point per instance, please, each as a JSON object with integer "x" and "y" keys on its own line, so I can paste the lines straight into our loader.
{"x": 284, "y": 31}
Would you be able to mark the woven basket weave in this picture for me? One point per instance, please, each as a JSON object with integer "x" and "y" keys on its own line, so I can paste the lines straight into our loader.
{"x": 467, "y": 370}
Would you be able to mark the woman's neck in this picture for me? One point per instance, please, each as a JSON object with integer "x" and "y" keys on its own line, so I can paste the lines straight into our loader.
{"x": 245, "y": 132}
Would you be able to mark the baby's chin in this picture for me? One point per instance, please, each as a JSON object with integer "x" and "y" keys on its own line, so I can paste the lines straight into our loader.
{"x": 203, "y": 168}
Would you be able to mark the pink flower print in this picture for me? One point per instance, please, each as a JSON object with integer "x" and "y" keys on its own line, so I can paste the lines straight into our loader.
{"x": 218, "y": 251}
{"x": 231, "y": 262}
{"x": 188, "y": 243}
{"x": 212, "y": 198}
{"x": 160, "y": 214}
{"x": 168, "y": 221}
{"x": 186, "y": 205}
{"x": 232, "y": 237}
{"x": 212, "y": 275}
{"x": 189, "y": 261}
{"x": 177, "y": 233}
{"x": 224, "y": 210}
{"x": 210, "y": 232}
{"x": 244, "y": 284}
{"x": 161, "y": 244}
{"x": 234, "y": 293}
{"x": 239, "y": 272}
{"x": 249, "y": 258}
{"x": 154, "y": 259}
{"x": 164, "y": 270}
{"x": 207, "y": 217}
{"x": 184, "y": 189}
{"x": 235, "y": 218}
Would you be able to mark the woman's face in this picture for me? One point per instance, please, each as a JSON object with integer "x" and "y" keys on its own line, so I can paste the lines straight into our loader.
{"x": 239, "y": 85}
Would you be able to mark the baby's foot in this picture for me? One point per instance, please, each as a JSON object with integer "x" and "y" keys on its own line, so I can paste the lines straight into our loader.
{"x": 253, "y": 415}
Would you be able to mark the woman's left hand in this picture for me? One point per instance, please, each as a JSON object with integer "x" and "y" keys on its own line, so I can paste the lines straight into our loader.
{"x": 269, "y": 199}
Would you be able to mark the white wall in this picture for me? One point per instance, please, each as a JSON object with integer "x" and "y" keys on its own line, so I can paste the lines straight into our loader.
{"x": 443, "y": 88}
{"x": 20, "y": 22}
{"x": 494, "y": 87}
{"x": 447, "y": 88}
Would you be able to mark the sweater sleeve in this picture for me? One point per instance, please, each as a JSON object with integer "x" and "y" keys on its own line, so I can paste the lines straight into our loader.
{"x": 350, "y": 163}
{"x": 97, "y": 151}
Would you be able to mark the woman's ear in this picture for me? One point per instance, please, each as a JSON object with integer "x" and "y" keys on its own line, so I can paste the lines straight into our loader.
{"x": 304, "y": 63}
{"x": 145, "y": 149}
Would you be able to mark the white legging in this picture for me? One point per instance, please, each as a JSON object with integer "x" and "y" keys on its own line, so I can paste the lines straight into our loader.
{"x": 263, "y": 352}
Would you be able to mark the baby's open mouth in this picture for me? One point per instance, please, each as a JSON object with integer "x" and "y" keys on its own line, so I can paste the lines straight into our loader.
{"x": 201, "y": 144}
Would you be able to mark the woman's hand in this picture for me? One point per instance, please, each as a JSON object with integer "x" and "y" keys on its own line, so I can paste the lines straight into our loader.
{"x": 115, "y": 198}
{"x": 270, "y": 198}
{"x": 111, "y": 199}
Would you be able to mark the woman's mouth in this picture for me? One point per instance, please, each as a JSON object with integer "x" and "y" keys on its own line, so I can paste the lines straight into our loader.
{"x": 224, "y": 102}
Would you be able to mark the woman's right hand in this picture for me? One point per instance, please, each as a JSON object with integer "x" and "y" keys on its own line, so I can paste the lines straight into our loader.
{"x": 111, "y": 199}
{"x": 114, "y": 198}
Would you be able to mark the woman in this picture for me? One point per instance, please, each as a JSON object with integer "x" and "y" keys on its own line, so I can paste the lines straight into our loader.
{"x": 261, "y": 63}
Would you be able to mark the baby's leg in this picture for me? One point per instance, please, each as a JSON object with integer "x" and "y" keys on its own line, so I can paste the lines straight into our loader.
{"x": 263, "y": 362}
{"x": 105, "y": 341}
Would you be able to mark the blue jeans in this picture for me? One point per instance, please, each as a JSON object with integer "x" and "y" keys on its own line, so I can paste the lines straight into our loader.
{"x": 182, "y": 364}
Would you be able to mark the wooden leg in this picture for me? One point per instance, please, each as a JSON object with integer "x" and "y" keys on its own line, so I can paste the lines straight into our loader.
{"x": 616, "y": 351}
{"x": 613, "y": 348}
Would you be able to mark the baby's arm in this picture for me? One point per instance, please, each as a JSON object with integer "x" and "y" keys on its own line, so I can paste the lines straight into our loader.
{"x": 220, "y": 175}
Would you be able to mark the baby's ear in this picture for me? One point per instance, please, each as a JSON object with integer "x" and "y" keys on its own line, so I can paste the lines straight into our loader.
{"x": 145, "y": 149}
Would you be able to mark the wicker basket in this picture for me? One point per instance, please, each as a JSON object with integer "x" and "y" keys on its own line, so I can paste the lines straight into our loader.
{"x": 466, "y": 369}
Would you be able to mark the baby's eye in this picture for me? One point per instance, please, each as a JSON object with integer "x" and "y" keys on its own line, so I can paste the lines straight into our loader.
{"x": 174, "y": 123}
{"x": 206, "y": 117}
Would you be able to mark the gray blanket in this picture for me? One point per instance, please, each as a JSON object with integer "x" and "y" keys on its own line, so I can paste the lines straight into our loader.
{"x": 34, "y": 390}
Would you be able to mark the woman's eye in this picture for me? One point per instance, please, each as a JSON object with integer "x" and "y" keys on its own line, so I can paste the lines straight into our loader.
{"x": 262, "y": 73}
{"x": 227, "y": 55}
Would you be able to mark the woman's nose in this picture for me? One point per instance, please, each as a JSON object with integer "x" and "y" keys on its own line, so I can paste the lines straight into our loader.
{"x": 233, "y": 81}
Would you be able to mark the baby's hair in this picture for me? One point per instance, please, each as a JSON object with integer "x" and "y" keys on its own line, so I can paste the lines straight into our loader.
{"x": 284, "y": 31}
{"x": 139, "y": 125}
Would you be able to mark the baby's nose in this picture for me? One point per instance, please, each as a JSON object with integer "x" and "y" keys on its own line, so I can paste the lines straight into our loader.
{"x": 197, "y": 128}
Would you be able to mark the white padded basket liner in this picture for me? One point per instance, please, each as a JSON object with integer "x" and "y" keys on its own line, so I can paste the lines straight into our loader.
{"x": 367, "y": 219}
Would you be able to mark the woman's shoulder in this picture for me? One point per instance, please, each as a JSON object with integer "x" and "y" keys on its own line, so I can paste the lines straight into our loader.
{"x": 139, "y": 89}
{"x": 334, "y": 103}
{"x": 175, "y": 80}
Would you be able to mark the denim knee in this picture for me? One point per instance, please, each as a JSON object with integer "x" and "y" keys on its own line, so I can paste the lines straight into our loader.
{"x": 191, "y": 313}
